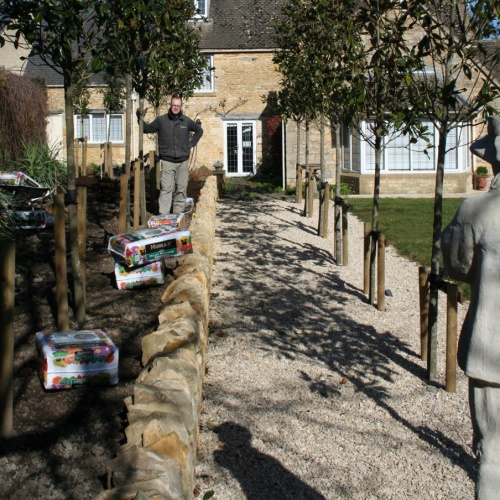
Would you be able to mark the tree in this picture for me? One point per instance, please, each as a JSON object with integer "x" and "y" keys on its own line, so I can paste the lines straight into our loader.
{"x": 451, "y": 85}
{"x": 154, "y": 45}
{"x": 113, "y": 97}
{"x": 384, "y": 110}
{"x": 63, "y": 33}
{"x": 350, "y": 61}
{"x": 319, "y": 47}
{"x": 81, "y": 100}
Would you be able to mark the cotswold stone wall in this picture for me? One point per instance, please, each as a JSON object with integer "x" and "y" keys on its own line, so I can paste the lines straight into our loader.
{"x": 158, "y": 459}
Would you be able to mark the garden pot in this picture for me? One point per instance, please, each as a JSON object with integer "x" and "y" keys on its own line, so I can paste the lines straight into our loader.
{"x": 481, "y": 182}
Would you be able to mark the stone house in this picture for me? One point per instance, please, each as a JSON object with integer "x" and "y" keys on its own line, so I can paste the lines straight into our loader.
{"x": 241, "y": 129}
{"x": 233, "y": 105}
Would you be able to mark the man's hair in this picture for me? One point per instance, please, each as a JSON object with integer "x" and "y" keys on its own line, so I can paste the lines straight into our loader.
{"x": 176, "y": 96}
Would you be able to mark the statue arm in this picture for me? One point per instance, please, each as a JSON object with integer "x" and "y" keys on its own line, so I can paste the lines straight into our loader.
{"x": 457, "y": 247}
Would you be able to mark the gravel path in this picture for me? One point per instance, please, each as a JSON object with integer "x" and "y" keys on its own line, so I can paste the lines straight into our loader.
{"x": 312, "y": 393}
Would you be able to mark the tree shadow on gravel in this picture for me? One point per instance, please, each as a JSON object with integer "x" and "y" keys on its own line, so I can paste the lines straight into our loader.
{"x": 259, "y": 475}
{"x": 300, "y": 311}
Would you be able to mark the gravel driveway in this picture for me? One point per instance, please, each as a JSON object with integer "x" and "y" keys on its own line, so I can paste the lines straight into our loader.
{"x": 312, "y": 393}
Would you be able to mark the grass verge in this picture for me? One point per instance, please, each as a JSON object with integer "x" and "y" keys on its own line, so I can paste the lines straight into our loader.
{"x": 407, "y": 224}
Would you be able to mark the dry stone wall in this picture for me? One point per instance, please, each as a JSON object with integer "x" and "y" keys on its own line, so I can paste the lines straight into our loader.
{"x": 158, "y": 459}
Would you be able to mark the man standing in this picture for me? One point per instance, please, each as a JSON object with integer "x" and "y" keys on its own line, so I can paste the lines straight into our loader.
{"x": 471, "y": 253}
{"x": 174, "y": 143}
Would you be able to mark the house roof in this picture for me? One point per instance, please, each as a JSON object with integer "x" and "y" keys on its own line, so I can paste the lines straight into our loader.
{"x": 36, "y": 68}
{"x": 232, "y": 25}
{"x": 240, "y": 24}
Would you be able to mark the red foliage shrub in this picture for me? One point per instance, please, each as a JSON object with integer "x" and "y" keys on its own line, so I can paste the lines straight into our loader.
{"x": 23, "y": 117}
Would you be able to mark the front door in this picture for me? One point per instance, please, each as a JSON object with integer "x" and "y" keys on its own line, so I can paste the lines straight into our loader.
{"x": 239, "y": 150}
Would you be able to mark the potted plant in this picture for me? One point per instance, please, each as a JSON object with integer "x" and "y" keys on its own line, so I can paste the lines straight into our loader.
{"x": 481, "y": 178}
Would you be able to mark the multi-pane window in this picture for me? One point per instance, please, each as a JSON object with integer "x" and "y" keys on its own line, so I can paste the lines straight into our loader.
{"x": 208, "y": 76}
{"x": 400, "y": 155}
{"x": 97, "y": 127}
{"x": 397, "y": 156}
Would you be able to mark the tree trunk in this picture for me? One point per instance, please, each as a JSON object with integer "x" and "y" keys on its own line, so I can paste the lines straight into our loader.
{"x": 338, "y": 208}
{"x": 298, "y": 194}
{"x": 375, "y": 212}
{"x": 141, "y": 131}
{"x": 128, "y": 123}
{"x": 322, "y": 202}
{"x": 438, "y": 208}
{"x": 78, "y": 295}
{"x": 308, "y": 202}
{"x": 436, "y": 252}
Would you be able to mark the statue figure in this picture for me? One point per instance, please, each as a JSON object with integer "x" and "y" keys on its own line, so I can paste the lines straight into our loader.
{"x": 470, "y": 246}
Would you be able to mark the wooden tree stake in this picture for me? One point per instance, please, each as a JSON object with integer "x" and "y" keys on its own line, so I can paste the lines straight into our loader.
{"x": 367, "y": 230}
{"x": 143, "y": 195}
{"x": 451, "y": 339}
{"x": 137, "y": 193}
{"x": 423, "y": 287}
{"x": 310, "y": 192}
{"x": 381, "y": 272}
{"x": 345, "y": 237}
{"x": 122, "y": 220}
{"x": 61, "y": 265}
{"x": 7, "y": 289}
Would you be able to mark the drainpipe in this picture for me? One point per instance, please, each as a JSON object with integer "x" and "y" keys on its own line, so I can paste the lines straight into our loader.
{"x": 473, "y": 157}
{"x": 283, "y": 155}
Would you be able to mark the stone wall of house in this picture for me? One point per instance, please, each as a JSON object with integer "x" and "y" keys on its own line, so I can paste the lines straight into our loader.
{"x": 245, "y": 84}
{"x": 243, "y": 88}
{"x": 409, "y": 184}
{"x": 10, "y": 57}
{"x": 391, "y": 183}
{"x": 95, "y": 153}
{"x": 158, "y": 459}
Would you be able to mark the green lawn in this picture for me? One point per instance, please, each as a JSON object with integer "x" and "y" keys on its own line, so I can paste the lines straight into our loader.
{"x": 407, "y": 222}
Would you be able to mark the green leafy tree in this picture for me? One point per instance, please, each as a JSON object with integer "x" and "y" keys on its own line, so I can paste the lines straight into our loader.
{"x": 384, "y": 112}
{"x": 153, "y": 44}
{"x": 343, "y": 60}
{"x": 451, "y": 85}
{"x": 295, "y": 99}
{"x": 321, "y": 38}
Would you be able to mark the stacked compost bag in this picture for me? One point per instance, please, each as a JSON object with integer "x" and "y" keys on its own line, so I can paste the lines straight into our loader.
{"x": 139, "y": 255}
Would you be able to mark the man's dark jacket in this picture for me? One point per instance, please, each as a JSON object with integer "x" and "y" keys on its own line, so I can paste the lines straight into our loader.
{"x": 174, "y": 135}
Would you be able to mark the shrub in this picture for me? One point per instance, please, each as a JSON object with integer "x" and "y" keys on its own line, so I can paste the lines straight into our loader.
{"x": 23, "y": 117}
{"x": 40, "y": 162}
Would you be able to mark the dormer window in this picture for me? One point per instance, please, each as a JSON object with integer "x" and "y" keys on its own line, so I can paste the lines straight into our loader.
{"x": 201, "y": 7}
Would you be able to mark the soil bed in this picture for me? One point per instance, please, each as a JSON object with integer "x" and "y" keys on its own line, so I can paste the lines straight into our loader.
{"x": 63, "y": 439}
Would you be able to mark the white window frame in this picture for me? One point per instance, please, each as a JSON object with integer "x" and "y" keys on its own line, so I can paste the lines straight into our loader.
{"x": 93, "y": 115}
{"x": 460, "y": 159}
{"x": 203, "y": 6}
{"x": 239, "y": 125}
{"x": 210, "y": 81}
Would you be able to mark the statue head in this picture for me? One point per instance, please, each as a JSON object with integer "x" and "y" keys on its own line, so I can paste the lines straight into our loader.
{"x": 488, "y": 146}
